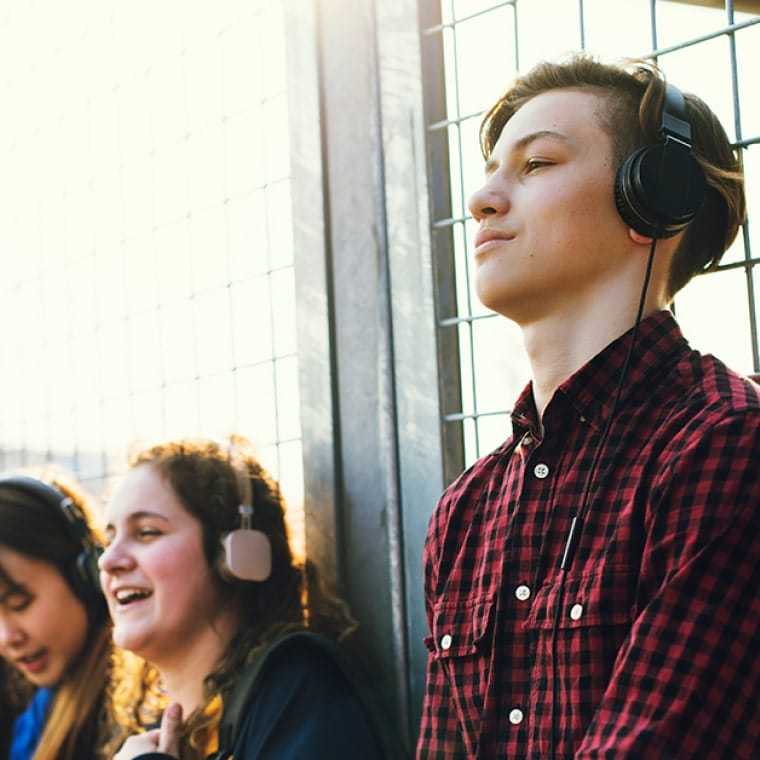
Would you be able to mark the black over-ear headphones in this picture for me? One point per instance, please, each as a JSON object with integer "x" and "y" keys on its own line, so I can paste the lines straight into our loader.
{"x": 660, "y": 188}
{"x": 83, "y": 575}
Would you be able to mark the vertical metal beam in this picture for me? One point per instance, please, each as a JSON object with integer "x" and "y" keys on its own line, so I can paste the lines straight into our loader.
{"x": 412, "y": 312}
{"x": 439, "y": 198}
{"x": 369, "y": 403}
{"x": 368, "y": 497}
{"x": 313, "y": 291}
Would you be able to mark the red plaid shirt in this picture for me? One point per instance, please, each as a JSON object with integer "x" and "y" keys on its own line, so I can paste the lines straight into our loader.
{"x": 658, "y": 645}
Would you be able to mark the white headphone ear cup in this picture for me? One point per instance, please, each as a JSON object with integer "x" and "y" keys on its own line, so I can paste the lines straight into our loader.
{"x": 248, "y": 554}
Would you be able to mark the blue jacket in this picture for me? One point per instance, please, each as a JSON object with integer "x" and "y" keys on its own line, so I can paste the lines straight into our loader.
{"x": 29, "y": 725}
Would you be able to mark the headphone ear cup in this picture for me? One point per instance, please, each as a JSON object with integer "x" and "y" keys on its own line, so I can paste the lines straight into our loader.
{"x": 659, "y": 189}
{"x": 248, "y": 554}
{"x": 85, "y": 574}
{"x": 625, "y": 200}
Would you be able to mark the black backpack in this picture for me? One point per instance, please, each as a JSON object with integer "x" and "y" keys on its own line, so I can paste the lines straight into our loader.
{"x": 237, "y": 704}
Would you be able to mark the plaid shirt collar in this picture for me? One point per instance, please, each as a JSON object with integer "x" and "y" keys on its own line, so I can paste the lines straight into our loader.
{"x": 591, "y": 389}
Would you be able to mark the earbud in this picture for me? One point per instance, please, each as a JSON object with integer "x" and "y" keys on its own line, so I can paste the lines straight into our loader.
{"x": 247, "y": 552}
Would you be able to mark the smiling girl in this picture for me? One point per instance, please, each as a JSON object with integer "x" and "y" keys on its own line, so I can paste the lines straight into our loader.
{"x": 201, "y": 614}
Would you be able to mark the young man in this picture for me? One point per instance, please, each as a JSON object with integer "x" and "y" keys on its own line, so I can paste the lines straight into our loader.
{"x": 638, "y": 636}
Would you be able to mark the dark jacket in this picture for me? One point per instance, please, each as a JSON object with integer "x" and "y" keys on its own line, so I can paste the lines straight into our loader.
{"x": 304, "y": 708}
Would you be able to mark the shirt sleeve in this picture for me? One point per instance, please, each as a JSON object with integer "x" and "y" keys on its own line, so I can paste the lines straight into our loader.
{"x": 686, "y": 682}
{"x": 439, "y": 735}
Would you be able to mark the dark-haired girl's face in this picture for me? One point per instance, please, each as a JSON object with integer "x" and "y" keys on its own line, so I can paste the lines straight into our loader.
{"x": 43, "y": 624}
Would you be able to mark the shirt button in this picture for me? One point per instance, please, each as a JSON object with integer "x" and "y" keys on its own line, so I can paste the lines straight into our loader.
{"x": 522, "y": 593}
{"x": 516, "y": 716}
{"x": 446, "y": 641}
{"x": 527, "y": 440}
{"x": 541, "y": 470}
{"x": 576, "y": 611}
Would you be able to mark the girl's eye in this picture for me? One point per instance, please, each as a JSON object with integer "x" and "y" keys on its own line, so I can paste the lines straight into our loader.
{"x": 138, "y": 533}
{"x": 148, "y": 533}
{"x": 18, "y": 601}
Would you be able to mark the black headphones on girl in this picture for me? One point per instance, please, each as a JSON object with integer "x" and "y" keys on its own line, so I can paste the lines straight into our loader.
{"x": 83, "y": 574}
{"x": 660, "y": 188}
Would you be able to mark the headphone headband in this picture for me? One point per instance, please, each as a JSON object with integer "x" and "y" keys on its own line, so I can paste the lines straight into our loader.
{"x": 673, "y": 121}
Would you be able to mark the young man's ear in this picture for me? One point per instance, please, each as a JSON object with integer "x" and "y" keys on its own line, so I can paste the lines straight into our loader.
{"x": 638, "y": 238}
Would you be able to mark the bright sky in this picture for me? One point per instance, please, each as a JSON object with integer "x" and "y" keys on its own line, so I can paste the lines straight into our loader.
{"x": 146, "y": 278}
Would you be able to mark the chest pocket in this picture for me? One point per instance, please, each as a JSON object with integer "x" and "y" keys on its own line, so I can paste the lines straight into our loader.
{"x": 594, "y": 621}
{"x": 462, "y": 630}
{"x": 462, "y": 643}
{"x": 602, "y": 599}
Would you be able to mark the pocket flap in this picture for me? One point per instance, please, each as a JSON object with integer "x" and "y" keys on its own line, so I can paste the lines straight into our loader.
{"x": 591, "y": 600}
{"x": 460, "y": 631}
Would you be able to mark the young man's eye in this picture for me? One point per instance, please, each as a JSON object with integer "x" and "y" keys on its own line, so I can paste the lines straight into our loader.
{"x": 535, "y": 163}
{"x": 148, "y": 533}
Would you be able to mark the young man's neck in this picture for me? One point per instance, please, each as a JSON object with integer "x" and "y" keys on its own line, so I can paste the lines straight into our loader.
{"x": 559, "y": 346}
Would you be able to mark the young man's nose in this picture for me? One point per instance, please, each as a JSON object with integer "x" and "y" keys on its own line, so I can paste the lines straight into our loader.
{"x": 489, "y": 200}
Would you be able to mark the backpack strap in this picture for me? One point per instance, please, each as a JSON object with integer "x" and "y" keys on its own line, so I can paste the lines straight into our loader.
{"x": 236, "y": 705}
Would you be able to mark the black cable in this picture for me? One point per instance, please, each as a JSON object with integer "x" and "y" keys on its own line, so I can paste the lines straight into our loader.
{"x": 576, "y": 526}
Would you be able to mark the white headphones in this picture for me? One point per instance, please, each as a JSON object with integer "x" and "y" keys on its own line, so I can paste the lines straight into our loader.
{"x": 247, "y": 552}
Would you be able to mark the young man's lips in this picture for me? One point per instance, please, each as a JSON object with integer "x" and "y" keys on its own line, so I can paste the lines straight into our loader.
{"x": 491, "y": 236}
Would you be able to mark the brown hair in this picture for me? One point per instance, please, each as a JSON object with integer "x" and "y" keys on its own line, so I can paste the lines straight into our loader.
{"x": 634, "y": 91}
{"x": 204, "y": 475}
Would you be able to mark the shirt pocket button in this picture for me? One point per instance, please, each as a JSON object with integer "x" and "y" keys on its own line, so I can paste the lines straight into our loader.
{"x": 522, "y": 593}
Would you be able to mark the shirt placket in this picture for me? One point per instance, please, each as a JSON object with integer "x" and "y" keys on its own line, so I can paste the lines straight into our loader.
{"x": 532, "y": 470}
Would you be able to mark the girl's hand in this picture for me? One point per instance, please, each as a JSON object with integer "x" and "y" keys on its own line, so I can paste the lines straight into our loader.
{"x": 164, "y": 739}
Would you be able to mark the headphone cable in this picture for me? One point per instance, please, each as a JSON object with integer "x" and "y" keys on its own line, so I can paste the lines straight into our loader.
{"x": 576, "y": 525}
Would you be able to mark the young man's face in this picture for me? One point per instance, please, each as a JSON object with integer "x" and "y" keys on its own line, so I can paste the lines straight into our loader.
{"x": 550, "y": 235}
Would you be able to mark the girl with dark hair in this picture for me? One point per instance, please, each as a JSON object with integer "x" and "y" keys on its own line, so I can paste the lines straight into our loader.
{"x": 200, "y": 579}
{"x": 55, "y": 634}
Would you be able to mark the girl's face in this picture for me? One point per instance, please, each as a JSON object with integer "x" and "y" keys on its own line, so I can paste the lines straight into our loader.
{"x": 43, "y": 624}
{"x": 157, "y": 582}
